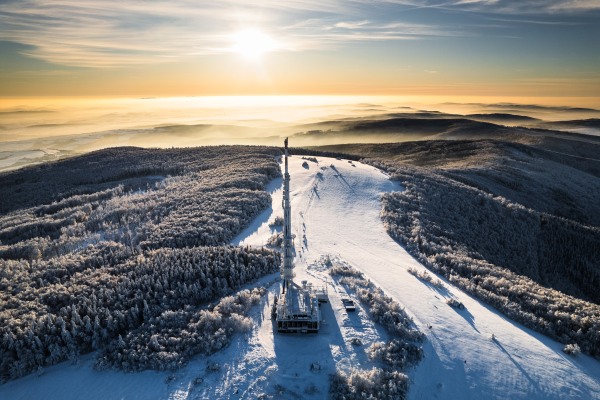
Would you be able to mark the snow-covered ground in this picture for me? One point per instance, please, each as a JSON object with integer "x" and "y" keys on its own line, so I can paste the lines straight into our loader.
{"x": 335, "y": 207}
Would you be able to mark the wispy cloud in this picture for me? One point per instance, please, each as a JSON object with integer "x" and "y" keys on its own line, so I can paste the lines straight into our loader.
{"x": 94, "y": 33}
{"x": 325, "y": 33}
{"x": 506, "y": 6}
{"x": 111, "y": 33}
{"x": 351, "y": 25}
{"x": 533, "y": 21}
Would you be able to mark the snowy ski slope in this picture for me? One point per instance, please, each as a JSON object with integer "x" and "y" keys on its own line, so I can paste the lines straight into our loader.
{"x": 336, "y": 211}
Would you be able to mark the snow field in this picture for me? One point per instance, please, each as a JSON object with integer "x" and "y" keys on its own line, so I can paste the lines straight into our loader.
{"x": 335, "y": 207}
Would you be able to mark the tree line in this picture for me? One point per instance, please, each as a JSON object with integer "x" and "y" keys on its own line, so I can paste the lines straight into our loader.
{"x": 505, "y": 254}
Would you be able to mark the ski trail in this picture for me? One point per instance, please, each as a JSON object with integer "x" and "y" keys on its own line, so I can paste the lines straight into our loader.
{"x": 461, "y": 359}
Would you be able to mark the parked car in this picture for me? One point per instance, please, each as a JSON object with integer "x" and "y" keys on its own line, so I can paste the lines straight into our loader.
{"x": 348, "y": 305}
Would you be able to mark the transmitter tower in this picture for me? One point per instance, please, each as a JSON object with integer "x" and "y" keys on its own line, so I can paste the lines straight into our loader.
{"x": 297, "y": 308}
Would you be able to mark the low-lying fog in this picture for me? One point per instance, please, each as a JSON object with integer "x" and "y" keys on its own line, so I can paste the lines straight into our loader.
{"x": 39, "y": 130}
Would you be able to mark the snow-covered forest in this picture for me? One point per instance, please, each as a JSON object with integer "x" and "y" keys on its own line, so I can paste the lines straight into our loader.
{"x": 117, "y": 249}
{"x": 167, "y": 341}
{"x": 507, "y": 255}
{"x": 126, "y": 251}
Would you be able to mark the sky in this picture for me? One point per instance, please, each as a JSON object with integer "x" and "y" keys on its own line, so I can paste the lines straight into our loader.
{"x": 299, "y": 47}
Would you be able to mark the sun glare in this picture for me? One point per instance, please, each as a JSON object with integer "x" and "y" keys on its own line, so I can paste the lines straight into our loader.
{"x": 253, "y": 44}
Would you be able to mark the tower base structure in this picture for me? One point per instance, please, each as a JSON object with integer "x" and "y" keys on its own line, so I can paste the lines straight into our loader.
{"x": 298, "y": 310}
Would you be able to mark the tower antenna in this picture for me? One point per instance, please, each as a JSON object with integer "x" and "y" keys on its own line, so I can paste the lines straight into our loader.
{"x": 297, "y": 309}
{"x": 288, "y": 255}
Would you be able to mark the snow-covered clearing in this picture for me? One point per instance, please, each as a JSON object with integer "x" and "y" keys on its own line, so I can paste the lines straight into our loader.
{"x": 335, "y": 206}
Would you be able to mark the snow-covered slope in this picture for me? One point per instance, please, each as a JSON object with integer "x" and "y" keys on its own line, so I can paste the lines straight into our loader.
{"x": 335, "y": 206}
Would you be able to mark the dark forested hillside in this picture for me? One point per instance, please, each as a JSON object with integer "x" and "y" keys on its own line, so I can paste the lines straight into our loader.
{"x": 517, "y": 225}
{"x": 131, "y": 167}
{"x": 94, "y": 248}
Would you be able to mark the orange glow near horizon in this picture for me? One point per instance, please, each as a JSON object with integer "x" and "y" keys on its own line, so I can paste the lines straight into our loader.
{"x": 9, "y": 103}
{"x": 36, "y": 129}
{"x": 246, "y": 48}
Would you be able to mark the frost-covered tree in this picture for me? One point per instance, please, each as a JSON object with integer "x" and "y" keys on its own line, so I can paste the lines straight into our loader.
{"x": 127, "y": 237}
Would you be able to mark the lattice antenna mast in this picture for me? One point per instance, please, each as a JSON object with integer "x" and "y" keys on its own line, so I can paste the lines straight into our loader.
{"x": 288, "y": 255}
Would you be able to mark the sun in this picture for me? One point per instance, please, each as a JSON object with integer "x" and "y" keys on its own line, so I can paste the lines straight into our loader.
{"x": 252, "y": 44}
